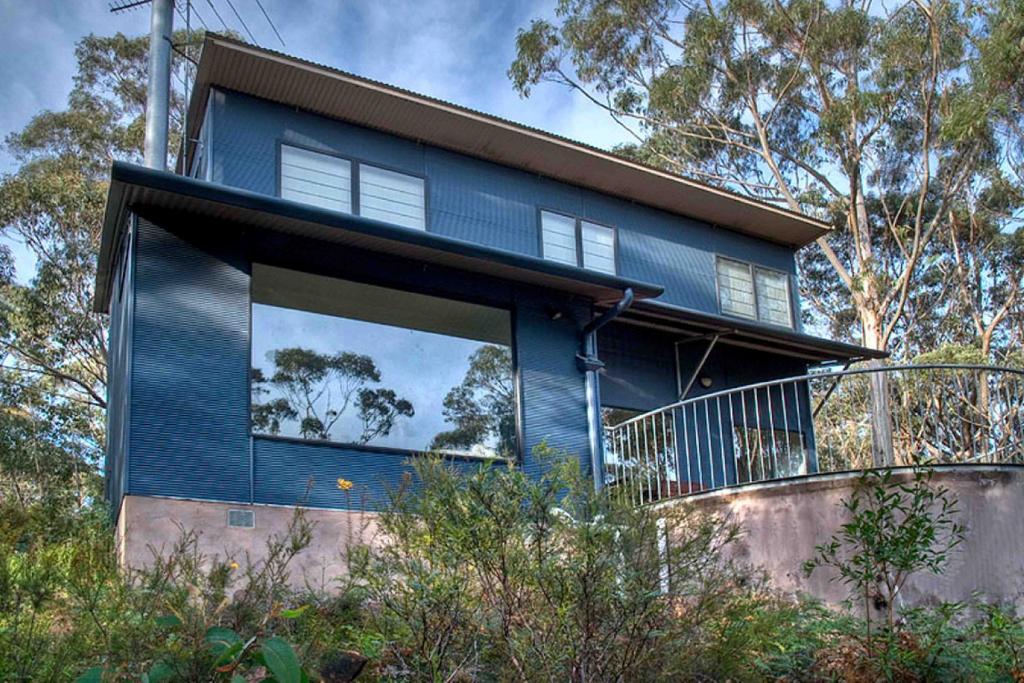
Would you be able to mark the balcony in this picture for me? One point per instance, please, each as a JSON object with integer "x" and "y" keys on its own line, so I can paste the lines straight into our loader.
{"x": 830, "y": 421}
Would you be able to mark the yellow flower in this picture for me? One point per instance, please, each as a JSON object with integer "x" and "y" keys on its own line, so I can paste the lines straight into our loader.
{"x": 233, "y": 565}
{"x": 345, "y": 484}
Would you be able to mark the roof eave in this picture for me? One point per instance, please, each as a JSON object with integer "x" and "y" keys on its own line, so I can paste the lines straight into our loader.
{"x": 234, "y": 65}
{"x": 133, "y": 187}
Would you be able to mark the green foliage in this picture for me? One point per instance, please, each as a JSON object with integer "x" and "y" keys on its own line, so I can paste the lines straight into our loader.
{"x": 480, "y": 575}
{"x": 899, "y": 124}
{"x": 897, "y": 528}
{"x": 67, "y": 611}
{"x": 496, "y": 575}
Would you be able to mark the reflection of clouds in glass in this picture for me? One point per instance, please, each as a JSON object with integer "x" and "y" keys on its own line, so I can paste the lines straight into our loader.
{"x": 421, "y": 367}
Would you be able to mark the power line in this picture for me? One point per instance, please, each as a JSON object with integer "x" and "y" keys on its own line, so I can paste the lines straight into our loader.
{"x": 193, "y": 10}
{"x": 198, "y": 15}
{"x": 219, "y": 17}
{"x": 242, "y": 22}
{"x": 267, "y": 17}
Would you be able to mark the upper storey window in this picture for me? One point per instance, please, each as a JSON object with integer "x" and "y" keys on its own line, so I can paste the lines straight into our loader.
{"x": 577, "y": 242}
{"x": 391, "y": 197}
{"x": 314, "y": 178}
{"x": 754, "y": 292}
{"x": 327, "y": 181}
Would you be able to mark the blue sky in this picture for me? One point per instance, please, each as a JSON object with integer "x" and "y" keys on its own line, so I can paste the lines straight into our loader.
{"x": 457, "y": 50}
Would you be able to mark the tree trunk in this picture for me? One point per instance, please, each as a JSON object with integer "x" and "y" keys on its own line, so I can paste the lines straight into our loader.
{"x": 881, "y": 415}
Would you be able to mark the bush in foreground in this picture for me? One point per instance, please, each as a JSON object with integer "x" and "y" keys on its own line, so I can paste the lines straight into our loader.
{"x": 487, "y": 576}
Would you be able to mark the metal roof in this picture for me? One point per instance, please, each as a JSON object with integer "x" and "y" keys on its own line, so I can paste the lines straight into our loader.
{"x": 745, "y": 333}
{"x": 234, "y": 65}
{"x": 134, "y": 188}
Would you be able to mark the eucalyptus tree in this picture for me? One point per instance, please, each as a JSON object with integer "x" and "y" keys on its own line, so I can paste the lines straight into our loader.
{"x": 862, "y": 113}
{"x": 52, "y": 346}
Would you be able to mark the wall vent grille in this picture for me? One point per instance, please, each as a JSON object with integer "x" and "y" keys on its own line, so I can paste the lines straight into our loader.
{"x": 245, "y": 519}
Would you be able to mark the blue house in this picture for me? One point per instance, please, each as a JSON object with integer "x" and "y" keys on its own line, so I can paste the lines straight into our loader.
{"x": 342, "y": 275}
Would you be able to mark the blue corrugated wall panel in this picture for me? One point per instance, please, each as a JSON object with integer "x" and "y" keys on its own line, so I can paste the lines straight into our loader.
{"x": 639, "y": 367}
{"x": 554, "y": 400}
{"x": 484, "y": 202}
{"x": 190, "y": 402}
{"x": 294, "y": 473}
{"x": 118, "y": 364}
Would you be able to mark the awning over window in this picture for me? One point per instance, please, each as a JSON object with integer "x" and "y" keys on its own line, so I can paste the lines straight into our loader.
{"x": 134, "y": 188}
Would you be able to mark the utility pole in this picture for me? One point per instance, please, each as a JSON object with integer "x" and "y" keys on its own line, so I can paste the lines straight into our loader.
{"x": 158, "y": 92}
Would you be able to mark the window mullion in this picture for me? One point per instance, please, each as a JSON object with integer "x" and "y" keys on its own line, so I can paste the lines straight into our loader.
{"x": 754, "y": 293}
{"x": 579, "y": 242}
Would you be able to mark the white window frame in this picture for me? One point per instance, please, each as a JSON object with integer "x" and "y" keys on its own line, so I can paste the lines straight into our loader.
{"x": 355, "y": 182}
{"x": 752, "y": 269}
{"x": 578, "y": 239}
{"x": 352, "y": 176}
{"x": 358, "y": 190}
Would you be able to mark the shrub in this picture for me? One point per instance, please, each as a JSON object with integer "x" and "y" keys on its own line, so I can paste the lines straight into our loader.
{"x": 500, "y": 575}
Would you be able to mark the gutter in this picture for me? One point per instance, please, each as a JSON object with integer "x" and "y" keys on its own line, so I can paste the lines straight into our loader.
{"x": 589, "y": 364}
{"x": 134, "y": 187}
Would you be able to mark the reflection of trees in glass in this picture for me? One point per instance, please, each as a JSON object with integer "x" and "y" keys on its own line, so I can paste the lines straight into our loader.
{"x": 483, "y": 405}
{"x": 317, "y": 389}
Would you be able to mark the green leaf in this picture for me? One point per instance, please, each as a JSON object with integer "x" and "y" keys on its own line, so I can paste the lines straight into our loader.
{"x": 294, "y": 613}
{"x": 224, "y": 642}
{"x": 160, "y": 672}
{"x": 218, "y": 635}
{"x": 280, "y": 659}
{"x": 93, "y": 675}
{"x": 168, "y": 621}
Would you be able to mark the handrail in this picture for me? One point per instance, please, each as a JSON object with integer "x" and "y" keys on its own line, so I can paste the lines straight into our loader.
{"x": 819, "y": 375}
{"x": 881, "y": 416}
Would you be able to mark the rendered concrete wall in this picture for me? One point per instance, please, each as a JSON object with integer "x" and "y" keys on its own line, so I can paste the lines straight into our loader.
{"x": 783, "y": 521}
{"x": 148, "y": 525}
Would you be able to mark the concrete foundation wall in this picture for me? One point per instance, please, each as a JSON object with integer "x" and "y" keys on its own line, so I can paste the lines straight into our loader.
{"x": 783, "y": 521}
{"x": 149, "y": 525}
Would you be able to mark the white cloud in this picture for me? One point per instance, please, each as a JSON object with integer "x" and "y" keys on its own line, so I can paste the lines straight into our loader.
{"x": 457, "y": 50}
{"x": 38, "y": 65}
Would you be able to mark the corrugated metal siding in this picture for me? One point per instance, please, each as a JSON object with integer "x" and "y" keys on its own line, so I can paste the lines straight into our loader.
{"x": 118, "y": 365}
{"x": 190, "y": 393}
{"x": 190, "y": 402}
{"x": 484, "y": 202}
{"x": 639, "y": 367}
{"x": 296, "y": 473}
{"x": 553, "y": 395}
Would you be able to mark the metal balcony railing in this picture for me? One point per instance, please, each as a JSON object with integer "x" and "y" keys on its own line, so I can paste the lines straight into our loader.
{"x": 817, "y": 423}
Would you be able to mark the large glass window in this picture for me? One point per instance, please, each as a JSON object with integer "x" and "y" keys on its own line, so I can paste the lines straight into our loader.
{"x": 750, "y": 291}
{"x": 763, "y": 453}
{"x": 334, "y": 360}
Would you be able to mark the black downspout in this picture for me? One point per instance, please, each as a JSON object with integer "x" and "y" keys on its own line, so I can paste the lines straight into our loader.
{"x": 588, "y": 363}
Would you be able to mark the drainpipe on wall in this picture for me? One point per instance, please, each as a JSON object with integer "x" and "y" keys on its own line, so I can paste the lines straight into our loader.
{"x": 588, "y": 363}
